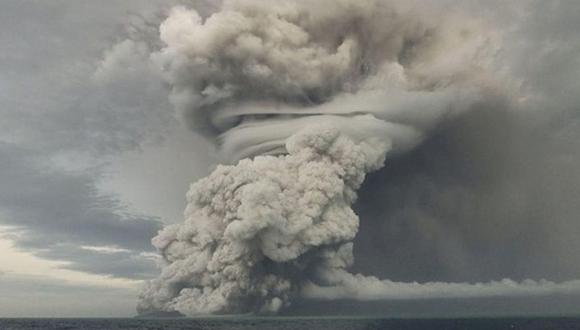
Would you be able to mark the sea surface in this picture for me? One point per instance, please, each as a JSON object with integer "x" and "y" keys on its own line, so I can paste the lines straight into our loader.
{"x": 310, "y": 323}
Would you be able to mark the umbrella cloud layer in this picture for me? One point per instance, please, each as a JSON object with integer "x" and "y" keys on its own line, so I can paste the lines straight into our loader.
{"x": 253, "y": 73}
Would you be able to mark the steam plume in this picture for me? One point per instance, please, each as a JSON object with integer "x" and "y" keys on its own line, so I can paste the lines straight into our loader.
{"x": 305, "y": 99}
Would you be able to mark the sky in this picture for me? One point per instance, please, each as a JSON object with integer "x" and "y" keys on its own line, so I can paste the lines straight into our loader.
{"x": 92, "y": 165}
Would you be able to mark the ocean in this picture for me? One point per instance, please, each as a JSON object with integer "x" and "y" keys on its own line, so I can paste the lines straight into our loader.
{"x": 292, "y": 323}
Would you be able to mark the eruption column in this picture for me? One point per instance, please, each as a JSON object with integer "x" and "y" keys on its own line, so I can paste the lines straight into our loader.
{"x": 252, "y": 231}
{"x": 305, "y": 98}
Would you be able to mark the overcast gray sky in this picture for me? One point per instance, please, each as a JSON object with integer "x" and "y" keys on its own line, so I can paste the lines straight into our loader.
{"x": 75, "y": 155}
{"x": 91, "y": 167}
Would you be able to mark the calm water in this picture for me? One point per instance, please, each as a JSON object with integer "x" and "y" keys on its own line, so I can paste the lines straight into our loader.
{"x": 294, "y": 323}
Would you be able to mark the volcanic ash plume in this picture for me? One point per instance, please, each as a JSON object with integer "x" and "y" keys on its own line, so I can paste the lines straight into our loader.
{"x": 253, "y": 230}
{"x": 306, "y": 97}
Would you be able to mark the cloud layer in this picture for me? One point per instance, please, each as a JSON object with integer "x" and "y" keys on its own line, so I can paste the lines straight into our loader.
{"x": 60, "y": 129}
